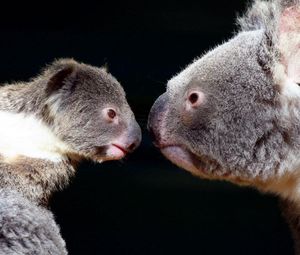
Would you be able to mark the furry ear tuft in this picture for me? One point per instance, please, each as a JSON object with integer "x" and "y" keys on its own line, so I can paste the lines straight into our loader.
{"x": 260, "y": 15}
{"x": 62, "y": 71}
{"x": 289, "y": 42}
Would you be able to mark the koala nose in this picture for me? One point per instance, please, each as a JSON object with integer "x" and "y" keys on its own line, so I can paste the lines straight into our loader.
{"x": 132, "y": 147}
{"x": 156, "y": 115}
{"x": 151, "y": 132}
{"x": 156, "y": 118}
{"x": 134, "y": 137}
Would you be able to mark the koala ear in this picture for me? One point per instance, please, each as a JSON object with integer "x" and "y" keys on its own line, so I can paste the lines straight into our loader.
{"x": 62, "y": 74}
{"x": 289, "y": 42}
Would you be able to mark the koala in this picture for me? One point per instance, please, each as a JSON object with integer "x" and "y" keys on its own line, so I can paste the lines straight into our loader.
{"x": 234, "y": 113}
{"x": 71, "y": 111}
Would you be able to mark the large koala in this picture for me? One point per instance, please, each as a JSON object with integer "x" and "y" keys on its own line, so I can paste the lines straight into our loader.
{"x": 70, "y": 112}
{"x": 234, "y": 113}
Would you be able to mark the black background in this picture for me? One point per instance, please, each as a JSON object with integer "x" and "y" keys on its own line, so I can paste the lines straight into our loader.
{"x": 143, "y": 205}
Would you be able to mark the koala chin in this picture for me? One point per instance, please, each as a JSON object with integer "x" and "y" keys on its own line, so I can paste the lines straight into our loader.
{"x": 234, "y": 113}
{"x": 71, "y": 111}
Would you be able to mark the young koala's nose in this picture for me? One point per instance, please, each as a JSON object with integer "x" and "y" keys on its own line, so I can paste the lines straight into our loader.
{"x": 132, "y": 146}
{"x": 134, "y": 138}
{"x": 127, "y": 143}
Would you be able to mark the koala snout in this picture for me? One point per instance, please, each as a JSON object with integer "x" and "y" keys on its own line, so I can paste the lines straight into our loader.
{"x": 156, "y": 116}
{"x": 126, "y": 143}
{"x": 133, "y": 138}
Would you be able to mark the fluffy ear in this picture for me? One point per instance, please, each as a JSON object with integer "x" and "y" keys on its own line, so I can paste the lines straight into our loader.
{"x": 289, "y": 41}
{"x": 62, "y": 73}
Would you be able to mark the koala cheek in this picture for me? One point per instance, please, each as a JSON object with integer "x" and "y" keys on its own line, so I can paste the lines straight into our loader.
{"x": 186, "y": 118}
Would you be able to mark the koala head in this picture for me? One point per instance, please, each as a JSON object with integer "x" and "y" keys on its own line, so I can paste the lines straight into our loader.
{"x": 234, "y": 113}
{"x": 87, "y": 110}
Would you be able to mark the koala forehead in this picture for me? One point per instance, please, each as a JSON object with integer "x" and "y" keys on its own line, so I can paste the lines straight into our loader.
{"x": 236, "y": 61}
{"x": 96, "y": 83}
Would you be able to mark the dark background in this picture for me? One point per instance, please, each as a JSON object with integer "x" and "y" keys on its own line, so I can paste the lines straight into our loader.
{"x": 143, "y": 205}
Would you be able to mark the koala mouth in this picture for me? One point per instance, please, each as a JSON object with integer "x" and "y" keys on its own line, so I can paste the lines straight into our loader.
{"x": 108, "y": 152}
{"x": 198, "y": 165}
{"x": 184, "y": 158}
{"x": 120, "y": 148}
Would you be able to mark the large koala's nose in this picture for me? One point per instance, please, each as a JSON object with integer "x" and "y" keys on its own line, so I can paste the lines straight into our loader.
{"x": 156, "y": 116}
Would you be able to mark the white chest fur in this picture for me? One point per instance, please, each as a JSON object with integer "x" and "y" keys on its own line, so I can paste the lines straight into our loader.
{"x": 25, "y": 135}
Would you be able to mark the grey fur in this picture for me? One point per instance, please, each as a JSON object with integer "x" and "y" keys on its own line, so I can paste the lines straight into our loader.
{"x": 247, "y": 128}
{"x": 68, "y": 98}
{"x": 26, "y": 228}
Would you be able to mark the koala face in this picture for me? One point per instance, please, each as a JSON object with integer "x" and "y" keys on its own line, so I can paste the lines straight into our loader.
{"x": 215, "y": 122}
{"x": 233, "y": 114}
{"x": 88, "y": 111}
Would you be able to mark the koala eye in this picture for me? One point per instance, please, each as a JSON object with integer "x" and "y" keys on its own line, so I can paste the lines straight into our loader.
{"x": 194, "y": 99}
{"x": 111, "y": 113}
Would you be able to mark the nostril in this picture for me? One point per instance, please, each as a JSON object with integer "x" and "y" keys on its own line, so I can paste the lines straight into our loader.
{"x": 151, "y": 132}
{"x": 154, "y": 134}
{"x": 131, "y": 147}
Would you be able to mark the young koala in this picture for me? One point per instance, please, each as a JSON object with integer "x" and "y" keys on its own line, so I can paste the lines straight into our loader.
{"x": 70, "y": 112}
{"x": 234, "y": 113}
